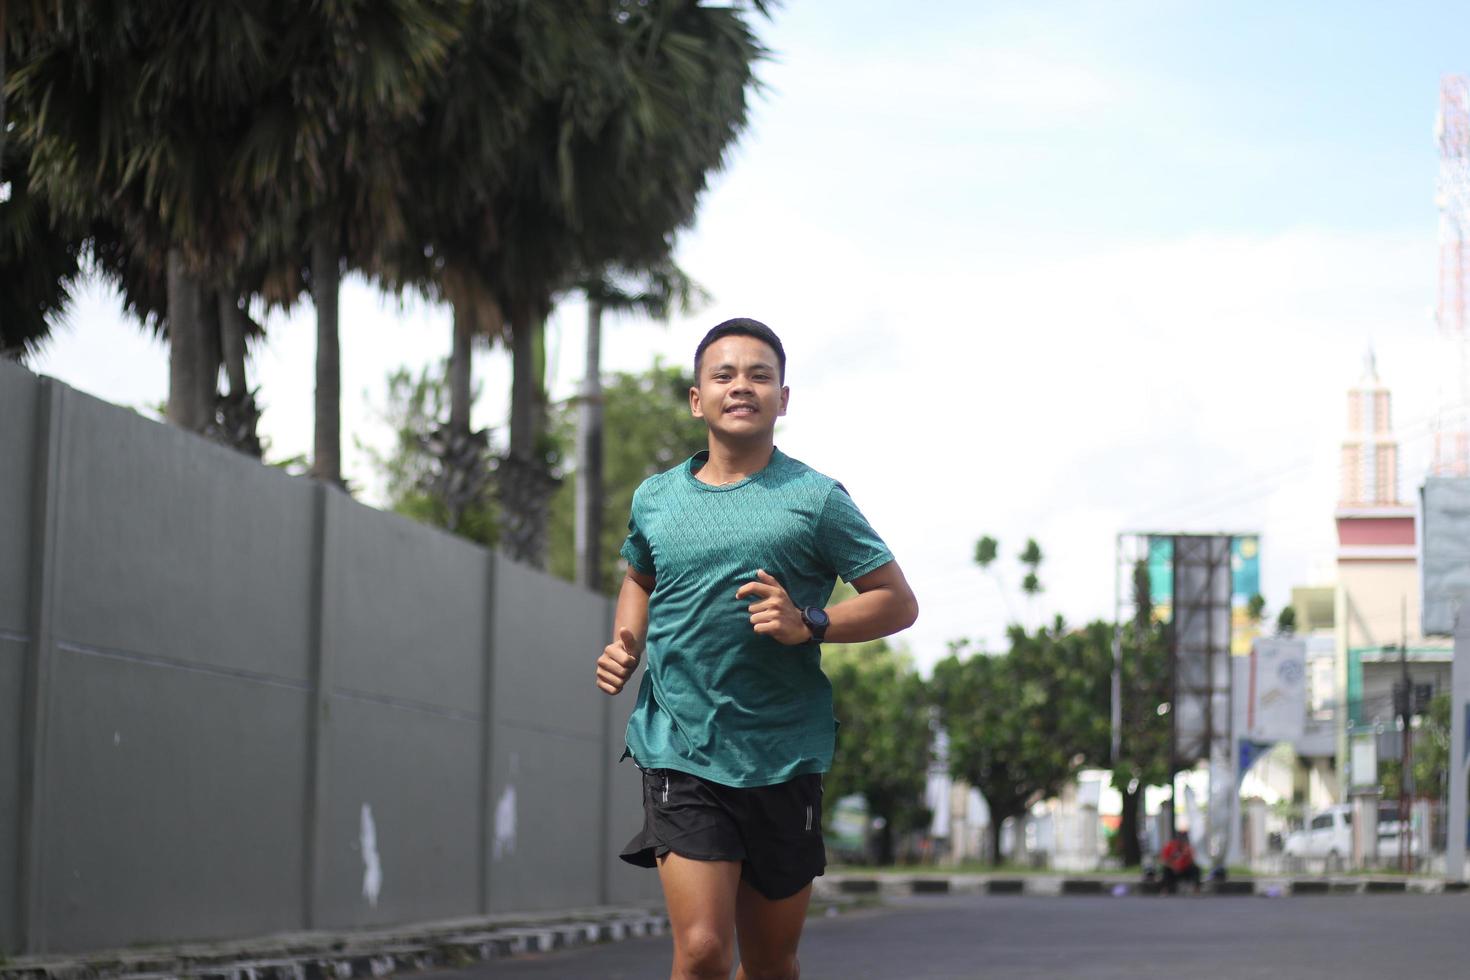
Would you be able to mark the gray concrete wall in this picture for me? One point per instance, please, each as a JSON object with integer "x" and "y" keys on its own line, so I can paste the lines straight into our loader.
{"x": 20, "y": 394}
{"x": 236, "y": 702}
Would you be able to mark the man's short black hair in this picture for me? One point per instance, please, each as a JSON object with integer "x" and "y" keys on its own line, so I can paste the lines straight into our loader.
{"x": 746, "y": 327}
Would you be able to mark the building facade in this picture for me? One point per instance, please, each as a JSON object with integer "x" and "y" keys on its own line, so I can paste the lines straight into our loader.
{"x": 1376, "y": 600}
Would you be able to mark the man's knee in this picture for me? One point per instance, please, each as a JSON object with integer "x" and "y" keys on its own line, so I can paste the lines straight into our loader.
{"x": 785, "y": 968}
{"x": 704, "y": 953}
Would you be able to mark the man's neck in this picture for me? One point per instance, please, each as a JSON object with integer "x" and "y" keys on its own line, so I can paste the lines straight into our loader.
{"x": 733, "y": 463}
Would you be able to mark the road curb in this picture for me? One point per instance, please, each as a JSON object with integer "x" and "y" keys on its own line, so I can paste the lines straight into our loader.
{"x": 347, "y": 955}
{"x": 838, "y": 884}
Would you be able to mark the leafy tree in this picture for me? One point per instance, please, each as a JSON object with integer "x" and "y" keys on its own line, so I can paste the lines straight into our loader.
{"x": 987, "y": 549}
{"x": 1256, "y": 608}
{"x": 1021, "y": 724}
{"x": 39, "y": 261}
{"x": 224, "y": 143}
{"x": 1286, "y": 621}
{"x": 1431, "y": 756}
{"x": 649, "y": 429}
{"x": 1031, "y": 558}
{"x": 1143, "y": 758}
{"x": 647, "y": 418}
{"x": 636, "y": 115}
{"x": 885, "y": 739}
{"x": 413, "y": 473}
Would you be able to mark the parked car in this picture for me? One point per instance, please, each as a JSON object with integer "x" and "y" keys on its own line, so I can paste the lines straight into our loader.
{"x": 1328, "y": 837}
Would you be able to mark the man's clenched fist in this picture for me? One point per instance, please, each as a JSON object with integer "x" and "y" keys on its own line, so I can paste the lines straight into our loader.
{"x": 773, "y": 613}
{"x": 618, "y": 661}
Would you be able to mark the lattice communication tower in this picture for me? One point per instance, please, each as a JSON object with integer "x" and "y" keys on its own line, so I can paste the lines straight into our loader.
{"x": 1452, "y": 130}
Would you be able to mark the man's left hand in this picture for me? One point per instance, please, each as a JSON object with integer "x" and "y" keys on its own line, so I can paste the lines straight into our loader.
{"x": 773, "y": 613}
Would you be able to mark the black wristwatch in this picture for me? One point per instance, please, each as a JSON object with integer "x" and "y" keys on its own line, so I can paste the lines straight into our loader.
{"x": 816, "y": 620}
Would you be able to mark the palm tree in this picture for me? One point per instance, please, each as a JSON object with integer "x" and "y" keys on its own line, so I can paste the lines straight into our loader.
{"x": 241, "y": 150}
{"x": 39, "y": 262}
{"x": 129, "y": 112}
{"x": 354, "y": 77}
{"x": 641, "y": 107}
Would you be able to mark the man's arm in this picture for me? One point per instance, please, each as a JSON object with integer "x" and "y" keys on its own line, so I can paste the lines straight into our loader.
{"x": 884, "y": 605}
{"x": 630, "y": 630}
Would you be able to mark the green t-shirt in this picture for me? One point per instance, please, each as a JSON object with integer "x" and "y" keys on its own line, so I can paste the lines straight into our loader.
{"x": 719, "y": 700}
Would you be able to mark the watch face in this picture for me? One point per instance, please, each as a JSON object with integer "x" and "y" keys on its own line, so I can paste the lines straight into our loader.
{"x": 817, "y": 616}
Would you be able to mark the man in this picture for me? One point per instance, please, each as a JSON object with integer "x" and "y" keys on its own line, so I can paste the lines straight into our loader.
{"x": 1177, "y": 857}
{"x": 732, "y": 557}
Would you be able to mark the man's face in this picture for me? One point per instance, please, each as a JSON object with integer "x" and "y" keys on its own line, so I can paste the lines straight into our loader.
{"x": 739, "y": 392}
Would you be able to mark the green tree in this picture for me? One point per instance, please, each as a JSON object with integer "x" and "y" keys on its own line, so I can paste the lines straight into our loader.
{"x": 636, "y": 116}
{"x": 413, "y": 474}
{"x": 987, "y": 549}
{"x": 1143, "y": 756}
{"x": 1020, "y": 724}
{"x": 222, "y": 141}
{"x": 1256, "y": 608}
{"x": 39, "y": 261}
{"x": 1431, "y": 756}
{"x": 1286, "y": 621}
{"x": 649, "y": 429}
{"x": 884, "y": 744}
{"x": 648, "y": 421}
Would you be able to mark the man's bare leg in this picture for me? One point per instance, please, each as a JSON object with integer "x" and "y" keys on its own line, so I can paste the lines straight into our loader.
{"x": 700, "y": 896}
{"x": 769, "y": 932}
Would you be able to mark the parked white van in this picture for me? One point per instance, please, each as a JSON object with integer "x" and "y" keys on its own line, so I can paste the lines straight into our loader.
{"x": 1328, "y": 836}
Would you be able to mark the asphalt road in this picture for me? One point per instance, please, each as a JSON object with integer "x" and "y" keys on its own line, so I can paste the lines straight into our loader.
{"x": 1332, "y": 937}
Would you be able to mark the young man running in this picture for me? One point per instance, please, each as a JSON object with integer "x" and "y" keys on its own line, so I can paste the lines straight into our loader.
{"x": 731, "y": 558}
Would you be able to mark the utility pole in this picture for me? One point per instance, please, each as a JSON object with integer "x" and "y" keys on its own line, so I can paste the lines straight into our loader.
{"x": 1404, "y": 703}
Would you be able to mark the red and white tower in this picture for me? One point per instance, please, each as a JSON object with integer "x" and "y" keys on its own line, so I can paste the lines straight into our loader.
{"x": 1452, "y": 130}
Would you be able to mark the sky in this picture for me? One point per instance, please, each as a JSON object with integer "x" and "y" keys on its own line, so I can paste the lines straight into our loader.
{"x": 1042, "y": 269}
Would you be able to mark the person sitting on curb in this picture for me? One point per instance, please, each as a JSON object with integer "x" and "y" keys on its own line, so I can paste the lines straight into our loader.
{"x": 1177, "y": 858}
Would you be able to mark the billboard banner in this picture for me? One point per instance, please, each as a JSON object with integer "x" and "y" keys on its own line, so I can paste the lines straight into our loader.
{"x": 1201, "y": 647}
{"x": 1245, "y": 583}
{"x": 1445, "y": 571}
{"x": 1276, "y": 690}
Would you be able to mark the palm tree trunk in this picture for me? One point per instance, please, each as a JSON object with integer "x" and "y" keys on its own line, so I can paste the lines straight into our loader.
{"x": 996, "y": 822}
{"x": 232, "y": 342}
{"x": 524, "y": 482}
{"x": 588, "y": 533}
{"x": 460, "y": 382}
{"x": 524, "y": 433}
{"x": 210, "y": 355}
{"x": 883, "y": 847}
{"x": 238, "y": 415}
{"x": 327, "y": 449}
{"x": 2, "y": 88}
{"x": 1132, "y": 853}
{"x": 186, "y": 353}
{"x": 4, "y": 190}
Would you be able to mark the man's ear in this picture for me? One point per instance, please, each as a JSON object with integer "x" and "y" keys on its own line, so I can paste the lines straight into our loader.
{"x": 785, "y": 397}
{"x": 694, "y": 406}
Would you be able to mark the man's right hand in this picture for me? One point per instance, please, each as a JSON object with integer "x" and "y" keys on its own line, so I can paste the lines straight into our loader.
{"x": 618, "y": 661}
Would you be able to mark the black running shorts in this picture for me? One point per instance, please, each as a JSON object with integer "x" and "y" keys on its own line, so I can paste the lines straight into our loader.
{"x": 775, "y": 832}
